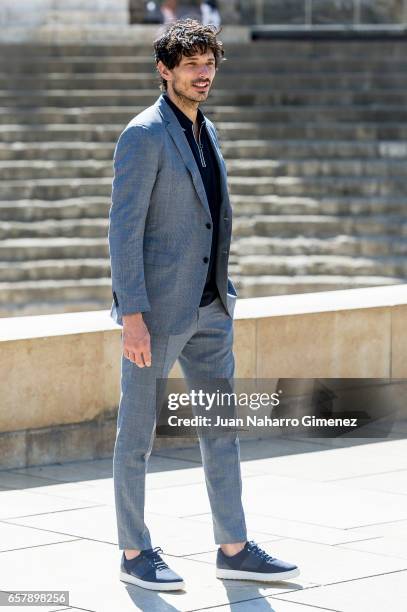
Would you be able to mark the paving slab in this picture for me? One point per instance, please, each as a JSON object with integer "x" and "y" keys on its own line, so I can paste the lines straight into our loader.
{"x": 265, "y": 604}
{"x": 311, "y": 502}
{"x": 385, "y": 591}
{"x": 251, "y": 450}
{"x": 68, "y": 569}
{"x": 280, "y": 527}
{"x": 95, "y": 468}
{"x": 383, "y": 546}
{"x": 391, "y": 482}
{"x": 331, "y": 464}
{"x": 176, "y": 536}
{"x": 16, "y": 608}
{"x": 337, "y": 510}
{"x": 323, "y": 564}
{"x": 73, "y": 471}
{"x": 10, "y": 479}
{"x": 14, "y": 537}
{"x": 94, "y": 523}
{"x": 15, "y": 504}
{"x": 393, "y": 529}
{"x": 314, "y": 460}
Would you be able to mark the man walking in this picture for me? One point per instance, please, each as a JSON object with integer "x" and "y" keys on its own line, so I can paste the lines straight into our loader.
{"x": 170, "y": 226}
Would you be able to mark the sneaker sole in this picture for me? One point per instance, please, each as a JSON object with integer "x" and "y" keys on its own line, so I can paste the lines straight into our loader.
{"x": 241, "y": 575}
{"x": 153, "y": 586}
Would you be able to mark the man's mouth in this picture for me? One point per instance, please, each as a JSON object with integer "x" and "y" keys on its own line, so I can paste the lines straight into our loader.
{"x": 201, "y": 85}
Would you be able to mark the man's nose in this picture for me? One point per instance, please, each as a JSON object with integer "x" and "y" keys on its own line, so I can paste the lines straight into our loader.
{"x": 204, "y": 71}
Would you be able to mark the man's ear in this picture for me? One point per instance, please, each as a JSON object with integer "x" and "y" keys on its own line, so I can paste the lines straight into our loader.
{"x": 163, "y": 70}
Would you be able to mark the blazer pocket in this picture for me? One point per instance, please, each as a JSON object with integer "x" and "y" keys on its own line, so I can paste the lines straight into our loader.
{"x": 157, "y": 258}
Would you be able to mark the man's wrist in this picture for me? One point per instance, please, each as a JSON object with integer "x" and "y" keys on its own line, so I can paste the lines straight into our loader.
{"x": 132, "y": 316}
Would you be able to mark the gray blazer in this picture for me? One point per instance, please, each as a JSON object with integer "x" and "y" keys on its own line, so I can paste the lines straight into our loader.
{"x": 158, "y": 237}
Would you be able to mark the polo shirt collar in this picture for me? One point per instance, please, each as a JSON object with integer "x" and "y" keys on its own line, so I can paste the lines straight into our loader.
{"x": 185, "y": 121}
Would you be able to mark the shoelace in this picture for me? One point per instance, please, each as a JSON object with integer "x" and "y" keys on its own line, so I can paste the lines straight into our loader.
{"x": 253, "y": 547}
{"x": 153, "y": 556}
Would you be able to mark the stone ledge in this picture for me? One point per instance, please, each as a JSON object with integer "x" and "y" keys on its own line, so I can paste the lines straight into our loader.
{"x": 47, "y": 326}
{"x": 62, "y": 372}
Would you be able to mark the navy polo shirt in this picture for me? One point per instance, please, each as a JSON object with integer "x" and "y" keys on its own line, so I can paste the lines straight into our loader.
{"x": 209, "y": 169}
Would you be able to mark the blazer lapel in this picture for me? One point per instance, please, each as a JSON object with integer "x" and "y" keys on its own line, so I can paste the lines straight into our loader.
{"x": 189, "y": 160}
{"x": 183, "y": 147}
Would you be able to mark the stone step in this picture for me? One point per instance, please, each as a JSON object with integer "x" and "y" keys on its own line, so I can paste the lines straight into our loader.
{"x": 44, "y": 307}
{"x": 26, "y": 98}
{"x": 34, "y": 297}
{"x": 41, "y": 169}
{"x": 314, "y": 167}
{"x": 121, "y": 115}
{"x": 288, "y": 49}
{"x": 295, "y": 64}
{"x": 341, "y": 244}
{"x": 227, "y": 131}
{"x": 34, "y": 249}
{"x": 312, "y": 265}
{"x": 54, "y": 269}
{"x": 365, "y": 81}
{"x": 297, "y": 205}
{"x": 72, "y": 290}
{"x": 320, "y": 225}
{"x": 310, "y": 185}
{"x": 13, "y": 170}
{"x": 238, "y": 149}
{"x": 67, "y": 228}
{"x": 57, "y": 189}
{"x": 40, "y": 210}
{"x": 283, "y": 285}
{"x": 375, "y": 168}
{"x": 58, "y": 151}
{"x": 98, "y": 207}
{"x": 283, "y": 225}
{"x": 317, "y": 149}
{"x": 315, "y": 140}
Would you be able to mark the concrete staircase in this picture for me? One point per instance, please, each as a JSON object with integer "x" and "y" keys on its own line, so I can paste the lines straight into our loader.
{"x": 313, "y": 132}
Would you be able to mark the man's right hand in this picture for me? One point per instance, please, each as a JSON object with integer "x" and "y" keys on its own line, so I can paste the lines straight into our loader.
{"x": 136, "y": 340}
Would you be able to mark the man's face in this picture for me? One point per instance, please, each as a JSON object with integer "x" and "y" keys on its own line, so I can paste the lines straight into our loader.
{"x": 192, "y": 78}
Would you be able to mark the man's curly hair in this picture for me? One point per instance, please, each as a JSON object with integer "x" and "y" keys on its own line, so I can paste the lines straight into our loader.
{"x": 186, "y": 37}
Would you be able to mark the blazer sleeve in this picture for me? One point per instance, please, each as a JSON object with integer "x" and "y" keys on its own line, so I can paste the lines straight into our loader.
{"x": 135, "y": 170}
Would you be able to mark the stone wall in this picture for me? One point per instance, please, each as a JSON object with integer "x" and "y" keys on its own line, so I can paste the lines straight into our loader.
{"x": 62, "y": 372}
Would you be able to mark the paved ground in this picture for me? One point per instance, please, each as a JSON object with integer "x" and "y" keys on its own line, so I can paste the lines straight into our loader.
{"x": 336, "y": 507}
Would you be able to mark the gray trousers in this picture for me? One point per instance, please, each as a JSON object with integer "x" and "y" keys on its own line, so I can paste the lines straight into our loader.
{"x": 203, "y": 350}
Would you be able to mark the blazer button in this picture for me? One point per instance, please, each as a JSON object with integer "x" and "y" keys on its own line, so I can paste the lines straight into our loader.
{"x": 205, "y": 259}
{"x": 226, "y": 218}
{"x": 208, "y": 225}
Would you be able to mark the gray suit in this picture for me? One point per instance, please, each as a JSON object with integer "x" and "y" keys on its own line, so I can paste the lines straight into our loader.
{"x": 158, "y": 240}
{"x": 160, "y": 268}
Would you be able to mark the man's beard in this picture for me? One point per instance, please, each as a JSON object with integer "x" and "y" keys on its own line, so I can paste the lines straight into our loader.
{"x": 184, "y": 99}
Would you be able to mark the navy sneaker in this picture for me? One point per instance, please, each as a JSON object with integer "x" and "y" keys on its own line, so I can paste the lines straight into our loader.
{"x": 253, "y": 563}
{"x": 150, "y": 571}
